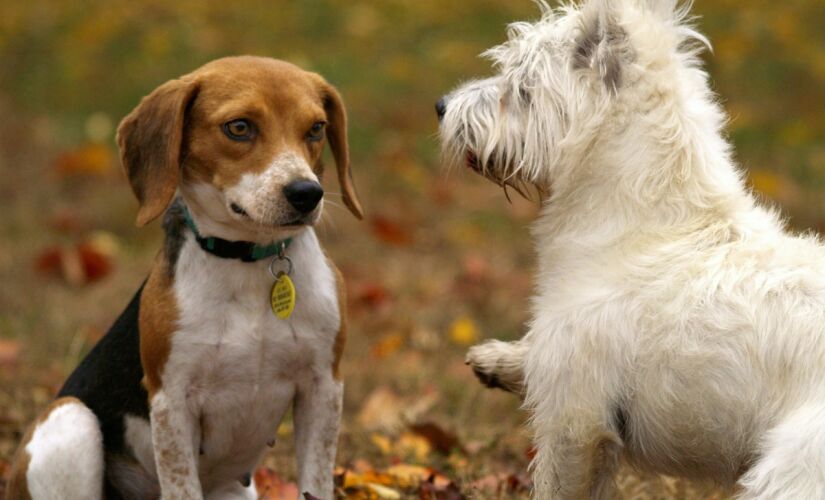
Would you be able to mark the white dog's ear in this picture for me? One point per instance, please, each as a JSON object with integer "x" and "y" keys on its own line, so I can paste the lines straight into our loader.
{"x": 602, "y": 45}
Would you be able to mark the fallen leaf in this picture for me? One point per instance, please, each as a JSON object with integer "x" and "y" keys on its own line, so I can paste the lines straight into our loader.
{"x": 382, "y": 442}
{"x": 381, "y": 410}
{"x": 270, "y": 486}
{"x": 387, "y": 345}
{"x": 463, "y": 331}
{"x": 85, "y": 262}
{"x": 371, "y": 294}
{"x": 88, "y": 159}
{"x": 429, "y": 490}
{"x": 95, "y": 263}
{"x": 413, "y": 445}
{"x": 413, "y": 475}
{"x": 386, "y": 483}
{"x": 384, "y": 492}
{"x": 440, "y": 440}
{"x": 389, "y": 231}
{"x": 9, "y": 352}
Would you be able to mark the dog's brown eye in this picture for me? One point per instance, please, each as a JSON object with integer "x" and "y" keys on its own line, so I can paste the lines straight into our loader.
{"x": 316, "y": 133}
{"x": 239, "y": 130}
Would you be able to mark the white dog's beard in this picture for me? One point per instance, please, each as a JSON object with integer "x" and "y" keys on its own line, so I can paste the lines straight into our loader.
{"x": 497, "y": 167}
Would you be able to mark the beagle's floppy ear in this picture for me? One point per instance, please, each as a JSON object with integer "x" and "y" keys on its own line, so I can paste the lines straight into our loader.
{"x": 150, "y": 139}
{"x": 337, "y": 134}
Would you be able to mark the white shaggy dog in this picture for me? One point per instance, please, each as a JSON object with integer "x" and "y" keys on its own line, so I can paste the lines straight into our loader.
{"x": 675, "y": 322}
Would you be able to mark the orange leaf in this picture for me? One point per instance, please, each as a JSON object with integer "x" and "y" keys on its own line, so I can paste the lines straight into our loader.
{"x": 89, "y": 159}
{"x": 387, "y": 345}
{"x": 270, "y": 486}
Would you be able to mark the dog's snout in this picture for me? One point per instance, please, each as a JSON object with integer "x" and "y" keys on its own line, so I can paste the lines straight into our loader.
{"x": 441, "y": 108}
{"x": 303, "y": 194}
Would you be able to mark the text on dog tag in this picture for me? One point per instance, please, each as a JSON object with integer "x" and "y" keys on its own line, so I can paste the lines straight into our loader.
{"x": 282, "y": 296}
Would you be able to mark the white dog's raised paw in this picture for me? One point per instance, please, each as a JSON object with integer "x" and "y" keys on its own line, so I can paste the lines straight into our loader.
{"x": 498, "y": 364}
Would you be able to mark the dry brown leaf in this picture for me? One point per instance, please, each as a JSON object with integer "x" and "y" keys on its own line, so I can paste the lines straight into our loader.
{"x": 440, "y": 440}
{"x": 381, "y": 410}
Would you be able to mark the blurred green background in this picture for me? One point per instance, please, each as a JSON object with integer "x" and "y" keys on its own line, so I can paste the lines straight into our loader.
{"x": 442, "y": 259}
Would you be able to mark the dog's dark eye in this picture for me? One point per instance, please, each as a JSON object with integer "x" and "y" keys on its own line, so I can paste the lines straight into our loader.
{"x": 316, "y": 133}
{"x": 239, "y": 130}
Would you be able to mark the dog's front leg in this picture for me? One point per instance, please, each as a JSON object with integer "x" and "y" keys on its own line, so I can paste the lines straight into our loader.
{"x": 174, "y": 439}
{"x": 317, "y": 416}
{"x": 574, "y": 386}
{"x": 499, "y": 364}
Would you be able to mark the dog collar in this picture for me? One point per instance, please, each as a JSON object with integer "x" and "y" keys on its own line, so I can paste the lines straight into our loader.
{"x": 245, "y": 251}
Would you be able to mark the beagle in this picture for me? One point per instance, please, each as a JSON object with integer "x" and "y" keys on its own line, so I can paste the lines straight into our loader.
{"x": 241, "y": 314}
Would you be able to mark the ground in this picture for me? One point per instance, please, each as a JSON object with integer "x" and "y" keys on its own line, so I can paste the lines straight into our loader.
{"x": 442, "y": 259}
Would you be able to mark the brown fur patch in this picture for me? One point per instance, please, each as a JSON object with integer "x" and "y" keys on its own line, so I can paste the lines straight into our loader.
{"x": 157, "y": 322}
{"x": 17, "y": 486}
{"x": 150, "y": 140}
{"x": 176, "y": 132}
{"x": 282, "y": 102}
{"x": 339, "y": 144}
{"x": 341, "y": 337}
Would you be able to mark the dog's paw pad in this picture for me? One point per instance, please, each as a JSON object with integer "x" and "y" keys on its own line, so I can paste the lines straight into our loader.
{"x": 488, "y": 379}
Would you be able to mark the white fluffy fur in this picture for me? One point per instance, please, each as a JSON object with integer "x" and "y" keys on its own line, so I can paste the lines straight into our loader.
{"x": 238, "y": 368}
{"x": 260, "y": 194}
{"x": 66, "y": 455}
{"x": 234, "y": 364}
{"x": 233, "y": 369}
{"x": 675, "y": 321}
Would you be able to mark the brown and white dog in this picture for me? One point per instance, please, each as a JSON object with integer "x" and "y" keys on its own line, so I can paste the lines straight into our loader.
{"x": 183, "y": 394}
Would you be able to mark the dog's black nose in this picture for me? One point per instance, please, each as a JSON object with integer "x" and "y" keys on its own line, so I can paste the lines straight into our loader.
{"x": 441, "y": 108}
{"x": 304, "y": 195}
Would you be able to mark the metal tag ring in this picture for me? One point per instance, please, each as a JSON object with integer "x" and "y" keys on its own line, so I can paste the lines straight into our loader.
{"x": 276, "y": 259}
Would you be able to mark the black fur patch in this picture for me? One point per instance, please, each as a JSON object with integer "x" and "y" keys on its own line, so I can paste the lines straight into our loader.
{"x": 174, "y": 226}
{"x": 620, "y": 421}
{"x": 108, "y": 381}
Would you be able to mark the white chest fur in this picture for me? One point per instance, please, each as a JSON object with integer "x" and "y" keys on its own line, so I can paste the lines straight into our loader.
{"x": 233, "y": 362}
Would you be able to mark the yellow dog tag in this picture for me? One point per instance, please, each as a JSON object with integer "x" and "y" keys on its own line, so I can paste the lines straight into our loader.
{"x": 282, "y": 297}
